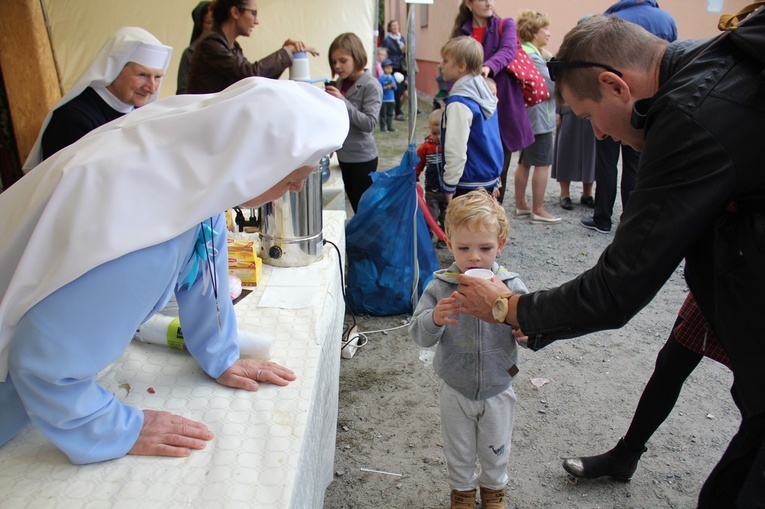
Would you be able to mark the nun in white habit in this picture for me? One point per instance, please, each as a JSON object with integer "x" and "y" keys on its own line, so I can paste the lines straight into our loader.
{"x": 126, "y": 74}
{"x": 100, "y": 235}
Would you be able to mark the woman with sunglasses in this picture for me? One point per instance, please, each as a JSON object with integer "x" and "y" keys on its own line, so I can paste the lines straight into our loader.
{"x": 218, "y": 59}
{"x": 497, "y": 35}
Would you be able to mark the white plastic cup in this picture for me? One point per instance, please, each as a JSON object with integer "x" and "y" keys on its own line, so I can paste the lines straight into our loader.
{"x": 259, "y": 345}
{"x": 479, "y": 273}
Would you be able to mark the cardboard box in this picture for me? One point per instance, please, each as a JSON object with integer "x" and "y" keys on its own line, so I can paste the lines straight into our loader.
{"x": 243, "y": 261}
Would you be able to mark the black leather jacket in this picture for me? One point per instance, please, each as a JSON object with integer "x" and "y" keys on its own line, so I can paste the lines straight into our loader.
{"x": 700, "y": 195}
{"x": 215, "y": 66}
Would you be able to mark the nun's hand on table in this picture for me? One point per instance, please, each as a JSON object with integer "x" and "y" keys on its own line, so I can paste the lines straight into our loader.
{"x": 248, "y": 373}
{"x": 166, "y": 434}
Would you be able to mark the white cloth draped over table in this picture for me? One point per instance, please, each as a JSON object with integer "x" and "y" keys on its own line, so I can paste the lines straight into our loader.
{"x": 272, "y": 449}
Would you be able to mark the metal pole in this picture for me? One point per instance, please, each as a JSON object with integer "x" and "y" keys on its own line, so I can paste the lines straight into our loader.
{"x": 375, "y": 34}
{"x": 410, "y": 66}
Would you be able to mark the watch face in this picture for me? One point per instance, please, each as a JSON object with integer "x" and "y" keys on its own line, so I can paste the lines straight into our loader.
{"x": 499, "y": 309}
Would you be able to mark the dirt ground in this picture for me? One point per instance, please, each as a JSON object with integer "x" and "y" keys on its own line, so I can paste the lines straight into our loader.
{"x": 388, "y": 452}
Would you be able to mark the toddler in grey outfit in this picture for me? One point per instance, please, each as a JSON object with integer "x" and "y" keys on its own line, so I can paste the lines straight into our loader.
{"x": 476, "y": 360}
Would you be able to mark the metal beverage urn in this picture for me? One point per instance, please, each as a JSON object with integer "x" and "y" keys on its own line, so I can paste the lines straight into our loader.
{"x": 291, "y": 227}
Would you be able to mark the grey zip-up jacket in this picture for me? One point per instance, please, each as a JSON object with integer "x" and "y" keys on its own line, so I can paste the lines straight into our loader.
{"x": 363, "y": 101}
{"x": 478, "y": 359}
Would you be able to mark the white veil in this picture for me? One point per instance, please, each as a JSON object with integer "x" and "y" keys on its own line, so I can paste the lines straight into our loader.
{"x": 128, "y": 44}
{"x": 149, "y": 176}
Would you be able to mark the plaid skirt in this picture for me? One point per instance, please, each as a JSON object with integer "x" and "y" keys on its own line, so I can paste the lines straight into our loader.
{"x": 693, "y": 332}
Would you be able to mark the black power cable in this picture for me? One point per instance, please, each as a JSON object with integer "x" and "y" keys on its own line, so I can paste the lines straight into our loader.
{"x": 346, "y": 327}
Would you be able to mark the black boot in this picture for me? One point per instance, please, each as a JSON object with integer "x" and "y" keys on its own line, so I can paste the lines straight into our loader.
{"x": 619, "y": 463}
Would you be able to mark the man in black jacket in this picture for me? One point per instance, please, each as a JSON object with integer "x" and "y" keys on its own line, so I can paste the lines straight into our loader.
{"x": 696, "y": 110}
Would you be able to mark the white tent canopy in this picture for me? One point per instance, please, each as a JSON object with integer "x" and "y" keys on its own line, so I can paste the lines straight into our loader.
{"x": 78, "y": 29}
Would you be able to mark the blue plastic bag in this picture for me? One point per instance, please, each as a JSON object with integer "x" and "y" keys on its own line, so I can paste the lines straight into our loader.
{"x": 380, "y": 244}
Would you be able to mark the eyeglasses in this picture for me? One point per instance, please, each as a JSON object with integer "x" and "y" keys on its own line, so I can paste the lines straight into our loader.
{"x": 553, "y": 64}
{"x": 254, "y": 12}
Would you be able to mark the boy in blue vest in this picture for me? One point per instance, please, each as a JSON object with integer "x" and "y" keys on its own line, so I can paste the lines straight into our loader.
{"x": 469, "y": 130}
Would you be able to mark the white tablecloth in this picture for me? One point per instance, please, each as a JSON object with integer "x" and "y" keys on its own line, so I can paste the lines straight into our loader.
{"x": 272, "y": 449}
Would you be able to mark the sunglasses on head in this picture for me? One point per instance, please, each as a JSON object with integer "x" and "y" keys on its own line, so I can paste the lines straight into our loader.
{"x": 553, "y": 65}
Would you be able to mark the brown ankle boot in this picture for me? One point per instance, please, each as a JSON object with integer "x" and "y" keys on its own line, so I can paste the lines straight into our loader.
{"x": 492, "y": 499}
{"x": 463, "y": 499}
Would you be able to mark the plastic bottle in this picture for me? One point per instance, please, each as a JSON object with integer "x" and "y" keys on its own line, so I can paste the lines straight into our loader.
{"x": 166, "y": 330}
{"x": 300, "y": 70}
{"x": 162, "y": 330}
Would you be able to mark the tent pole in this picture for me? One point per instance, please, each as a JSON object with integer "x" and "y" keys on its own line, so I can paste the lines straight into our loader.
{"x": 375, "y": 36}
{"x": 411, "y": 65}
{"x": 411, "y": 78}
